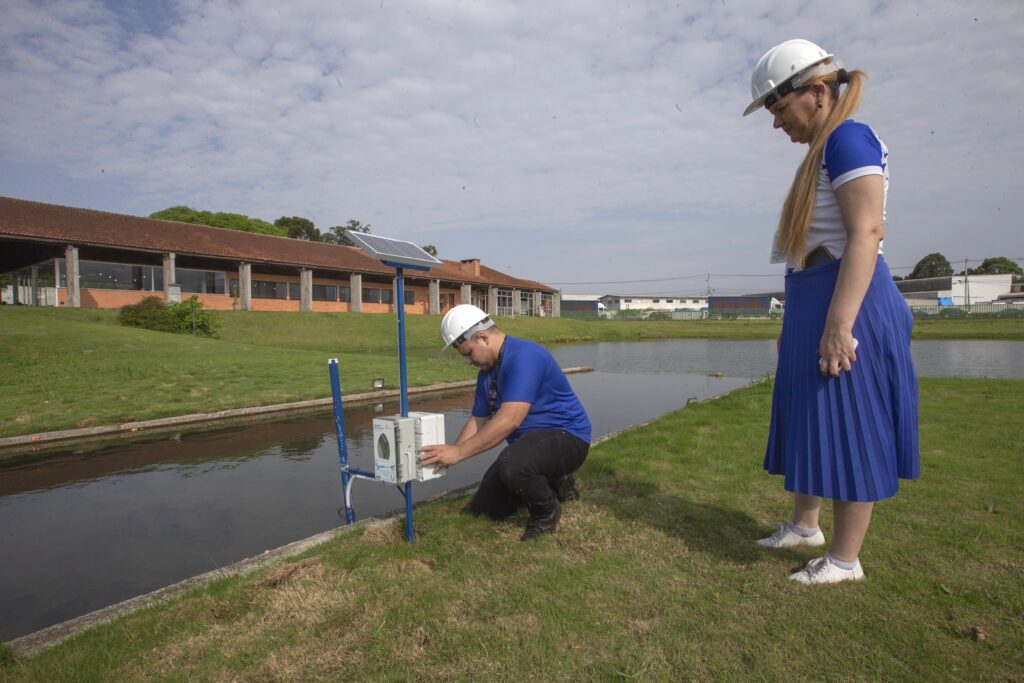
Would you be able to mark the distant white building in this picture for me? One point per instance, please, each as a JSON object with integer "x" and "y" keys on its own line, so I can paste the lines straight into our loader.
{"x": 642, "y": 302}
{"x": 955, "y": 290}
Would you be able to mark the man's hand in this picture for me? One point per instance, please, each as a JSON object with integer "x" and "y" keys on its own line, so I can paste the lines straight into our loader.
{"x": 440, "y": 456}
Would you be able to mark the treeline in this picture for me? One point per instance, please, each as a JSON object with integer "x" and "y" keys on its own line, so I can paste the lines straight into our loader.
{"x": 936, "y": 265}
{"x": 294, "y": 227}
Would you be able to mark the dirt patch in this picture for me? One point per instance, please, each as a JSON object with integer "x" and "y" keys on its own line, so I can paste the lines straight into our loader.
{"x": 384, "y": 532}
{"x": 87, "y": 422}
{"x": 23, "y": 418}
{"x": 289, "y": 572}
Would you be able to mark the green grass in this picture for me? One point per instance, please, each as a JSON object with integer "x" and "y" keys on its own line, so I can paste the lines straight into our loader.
{"x": 68, "y": 368}
{"x": 652, "y": 576}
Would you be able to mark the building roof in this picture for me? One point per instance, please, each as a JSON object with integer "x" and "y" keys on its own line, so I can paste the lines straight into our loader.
{"x": 51, "y": 223}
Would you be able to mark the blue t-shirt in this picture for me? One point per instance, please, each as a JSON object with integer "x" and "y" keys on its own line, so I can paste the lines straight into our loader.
{"x": 528, "y": 373}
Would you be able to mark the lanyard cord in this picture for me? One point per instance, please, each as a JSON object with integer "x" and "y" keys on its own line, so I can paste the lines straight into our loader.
{"x": 493, "y": 389}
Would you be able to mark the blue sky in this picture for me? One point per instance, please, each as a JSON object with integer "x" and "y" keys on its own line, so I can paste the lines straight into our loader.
{"x": 571, "y": 142}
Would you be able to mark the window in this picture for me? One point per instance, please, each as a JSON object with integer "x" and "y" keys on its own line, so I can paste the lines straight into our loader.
{"x": 387, "y": 296}
{"x": 504, "y": 302}
{"x": 198, "y": 281}
{"x": 102, "y": 275}
{"x": 410, "y": 298}
{"x": 657, "y": 301}
{"x": 325, "y": 293}
{"x": 264, "y": 289}
{"x": 668, "y": 301}
{"x": 294, "y": 291}
{"x": 234, "y": 288}
{"x": 371, "y": 295}
{"x": 344, "y": 294}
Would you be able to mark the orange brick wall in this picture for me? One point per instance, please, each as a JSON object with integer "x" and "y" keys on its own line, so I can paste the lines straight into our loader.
{"x": 110, "y": 298}
{"x": 274, "y": 305}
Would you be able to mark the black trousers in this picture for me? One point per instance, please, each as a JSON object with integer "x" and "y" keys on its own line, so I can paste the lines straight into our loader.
{"x": 526, "y": 473}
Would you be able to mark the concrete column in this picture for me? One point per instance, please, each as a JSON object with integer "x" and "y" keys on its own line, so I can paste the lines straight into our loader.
{"x": 355, "y": 284}
{"x": 170, "y": 274}
{"x": 434, "y": 298}
{"x": 245, "y": 286}
{"x": 395, "y": 303}
{"x": 515, "y": 303}
{"x": 71, "y": 269}
{"x": 33, "y": 293}
{"x": 538, "y": 303}
{"x": 556, "y": 305}
{"x": 15, "y": 284}
{"x": 306, "y": 289}
{"x": 466, "y": 294}
{"x": 492, "y": 300}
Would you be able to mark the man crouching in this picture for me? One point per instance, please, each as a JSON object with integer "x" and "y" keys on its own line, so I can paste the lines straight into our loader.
{"x": 523, "y": 397}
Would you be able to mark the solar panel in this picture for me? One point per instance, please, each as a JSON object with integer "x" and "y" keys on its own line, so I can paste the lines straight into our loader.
{"x": 393, "y": 251}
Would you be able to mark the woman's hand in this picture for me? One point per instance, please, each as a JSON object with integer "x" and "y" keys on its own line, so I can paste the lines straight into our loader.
{"x": 837, "y": 352}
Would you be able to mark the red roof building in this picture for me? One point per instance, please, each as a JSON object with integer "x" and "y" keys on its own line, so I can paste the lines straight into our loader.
{"x": 64, "y": 256}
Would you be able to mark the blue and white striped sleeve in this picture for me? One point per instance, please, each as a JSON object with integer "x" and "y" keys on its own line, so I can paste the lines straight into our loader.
{"x": 852, "y": 151}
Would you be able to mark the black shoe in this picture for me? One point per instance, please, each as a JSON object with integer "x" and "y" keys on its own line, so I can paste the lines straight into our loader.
{"x": 565, "y": 488}
{"x": 542, "y": 524}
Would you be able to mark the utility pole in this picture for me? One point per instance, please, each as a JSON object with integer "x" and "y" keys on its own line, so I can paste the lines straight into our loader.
{"x": 967, "y": 287}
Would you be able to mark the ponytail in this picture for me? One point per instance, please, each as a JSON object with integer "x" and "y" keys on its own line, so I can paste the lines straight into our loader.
{"x": 795, "y": 221}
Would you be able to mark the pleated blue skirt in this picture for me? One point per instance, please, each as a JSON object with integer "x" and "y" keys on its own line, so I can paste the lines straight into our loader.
{"x": 849, "y": 437}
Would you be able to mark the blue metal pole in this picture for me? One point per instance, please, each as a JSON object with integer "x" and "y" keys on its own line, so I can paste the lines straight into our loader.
{"x": 339, "y": 428}
{"x": 403, "y": 378}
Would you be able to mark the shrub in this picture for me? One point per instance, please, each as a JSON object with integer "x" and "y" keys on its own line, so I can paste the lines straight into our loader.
{"x": 152, "y": 314}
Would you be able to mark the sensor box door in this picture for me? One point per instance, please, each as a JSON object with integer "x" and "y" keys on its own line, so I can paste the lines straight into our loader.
{"x": 429, "y": 431}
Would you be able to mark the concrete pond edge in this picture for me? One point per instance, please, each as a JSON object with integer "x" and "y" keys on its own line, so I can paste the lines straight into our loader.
{"x": 132, "y": 428}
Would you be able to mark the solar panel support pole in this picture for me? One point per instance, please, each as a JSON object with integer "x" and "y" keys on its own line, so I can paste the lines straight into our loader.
{"x": 403, "y": 378}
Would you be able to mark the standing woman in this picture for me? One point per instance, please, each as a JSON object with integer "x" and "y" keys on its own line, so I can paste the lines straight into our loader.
{"x": 844, "y": 410}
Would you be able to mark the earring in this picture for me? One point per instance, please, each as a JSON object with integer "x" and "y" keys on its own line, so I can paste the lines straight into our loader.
{"x": 819, "y": 103}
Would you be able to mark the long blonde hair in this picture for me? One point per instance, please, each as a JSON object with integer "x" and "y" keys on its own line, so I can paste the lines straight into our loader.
{"x": 795, "y": 221}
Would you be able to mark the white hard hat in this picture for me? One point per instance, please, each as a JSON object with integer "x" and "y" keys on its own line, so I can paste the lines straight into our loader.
{"x": 786, "y": 67}
{"x": 462, "y": 322}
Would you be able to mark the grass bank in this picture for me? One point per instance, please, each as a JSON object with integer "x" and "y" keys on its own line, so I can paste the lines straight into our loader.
{"x": 67, "y": 368}
{"x": 653, "y": 576}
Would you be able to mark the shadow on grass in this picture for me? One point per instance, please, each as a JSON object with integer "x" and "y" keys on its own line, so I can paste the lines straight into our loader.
{"x": 722, "y": 532}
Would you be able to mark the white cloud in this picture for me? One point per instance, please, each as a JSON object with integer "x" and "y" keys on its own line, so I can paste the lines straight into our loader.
{"x": 570, "y": 142}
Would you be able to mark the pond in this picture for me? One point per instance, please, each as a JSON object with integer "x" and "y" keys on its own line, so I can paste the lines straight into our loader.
{"x": 87, "y": 527}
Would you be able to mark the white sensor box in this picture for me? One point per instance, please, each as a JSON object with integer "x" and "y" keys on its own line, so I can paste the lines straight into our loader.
{"x": 429, "y": 431}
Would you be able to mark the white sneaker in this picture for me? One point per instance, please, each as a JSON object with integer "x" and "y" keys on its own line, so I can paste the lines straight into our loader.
{"x": 784, "y": 537}
{"x": 824, "y": 570}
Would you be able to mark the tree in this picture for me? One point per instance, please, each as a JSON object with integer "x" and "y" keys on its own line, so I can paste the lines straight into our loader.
{"x": 336, "y": 235}
{"x": 932, "y": 265}
{"x": 997, "y": 265}
{"x": 430, "y": 249}
{"x": 232, "y": 221}
{"x": 299, "y": 228}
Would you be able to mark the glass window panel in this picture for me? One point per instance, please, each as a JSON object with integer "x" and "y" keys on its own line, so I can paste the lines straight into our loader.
{"x": 371, "y": 295}
{"x": 234, "y": 287}
{"x": 294, "y": 292}
{"x": 387, "y": 296}
{"x": 199, "y": 281}
{"x": 410, "y": 298}
{"x": 325, "y": 293}
{"x": 344, "y": 293}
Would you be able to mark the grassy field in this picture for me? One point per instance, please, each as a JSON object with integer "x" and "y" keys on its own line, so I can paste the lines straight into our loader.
{"x": 652, "y": 576}
{"x": 66, "y": 368}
